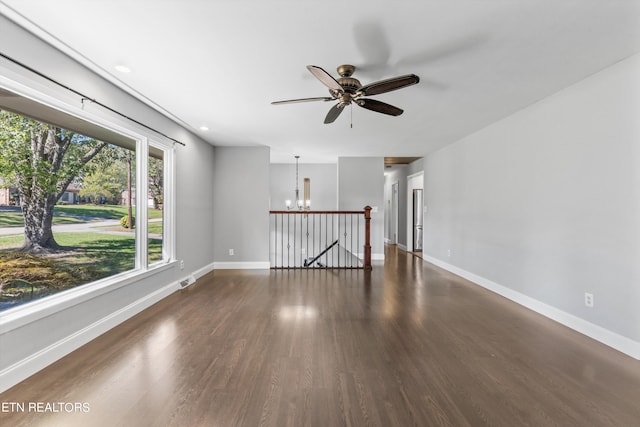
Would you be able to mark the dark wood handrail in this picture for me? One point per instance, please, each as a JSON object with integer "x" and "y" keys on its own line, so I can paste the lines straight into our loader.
{"x": 298, "y": 212}
{"x": 367, "y": 226}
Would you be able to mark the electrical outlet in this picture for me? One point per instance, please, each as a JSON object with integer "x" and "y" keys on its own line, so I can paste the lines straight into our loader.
{"x": 304, "y": 251}
{"x": 449, "y": 253}
{"x": 588, "y": 299}
{"x": 181, "y": 264}
{"x": 231, "y": 252}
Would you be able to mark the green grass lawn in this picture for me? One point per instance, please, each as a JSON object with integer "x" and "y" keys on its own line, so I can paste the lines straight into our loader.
{"x": 87, "y": 257}
{"x": 11, "y": 219}
{"x": 69, "y": 214}
{"x": 155, "y": 228}
{"x": 94, "y": 211}
{"x": 101, "y": 211}
{"x": 12, "y": 241}
{"x": 14, "y": 219}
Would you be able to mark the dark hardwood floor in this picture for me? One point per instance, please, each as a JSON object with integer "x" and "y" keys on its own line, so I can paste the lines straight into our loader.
{"x": 406, "y": 345}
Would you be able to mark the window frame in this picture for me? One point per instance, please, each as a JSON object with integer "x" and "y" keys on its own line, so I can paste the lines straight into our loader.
{"x": 168, "y": 210}
{"x": 38, "y": 91}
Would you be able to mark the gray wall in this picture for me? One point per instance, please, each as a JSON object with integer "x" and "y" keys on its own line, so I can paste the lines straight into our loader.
{"x": 323, "y": 184}
{"x": 361, "y": 183}
{"x": 195, "y": 205}
{"x": 241, "y": 209}
{"x": 547, "y": 201}
{"x": 20, "y": 339}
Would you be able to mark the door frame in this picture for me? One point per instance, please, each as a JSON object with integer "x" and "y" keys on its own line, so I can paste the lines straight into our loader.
{"x": 395, "y": 212}
{"x": 414, "y": 181}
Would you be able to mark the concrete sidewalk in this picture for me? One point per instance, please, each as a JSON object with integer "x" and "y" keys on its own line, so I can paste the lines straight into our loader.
{"x": 83, "y": 227}
{"x": 72, "y": 228}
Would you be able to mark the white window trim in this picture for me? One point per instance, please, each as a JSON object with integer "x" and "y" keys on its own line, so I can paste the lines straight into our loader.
{"x": 37, "y": 90}
{"x": 168, "y": 215}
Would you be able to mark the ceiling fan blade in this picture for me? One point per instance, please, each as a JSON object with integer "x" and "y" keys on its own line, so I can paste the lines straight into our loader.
{"x": 295, "y": 101}
{"x": 444, "y": 51}
{"x": 379, "y": 107}
{"x": 325, "y": 78}
{"x": 373, "y": 44}
{"x": 388, "y": 85}
{"x": 333, "y": 113}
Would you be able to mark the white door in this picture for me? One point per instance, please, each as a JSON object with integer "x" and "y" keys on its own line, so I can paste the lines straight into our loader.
{"x": 415, "y": 181}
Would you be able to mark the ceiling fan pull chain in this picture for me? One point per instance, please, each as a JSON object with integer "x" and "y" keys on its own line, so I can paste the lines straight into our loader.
{"x": 351, "y": 106}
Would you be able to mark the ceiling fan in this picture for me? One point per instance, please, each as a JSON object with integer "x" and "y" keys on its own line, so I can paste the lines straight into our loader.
{"x": 347, "y": 90}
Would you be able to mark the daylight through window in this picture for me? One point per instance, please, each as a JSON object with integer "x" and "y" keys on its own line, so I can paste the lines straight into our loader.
{"x": 70, "y": 192}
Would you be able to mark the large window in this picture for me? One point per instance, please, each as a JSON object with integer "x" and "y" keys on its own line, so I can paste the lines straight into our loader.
{"x": 79, "y": 202}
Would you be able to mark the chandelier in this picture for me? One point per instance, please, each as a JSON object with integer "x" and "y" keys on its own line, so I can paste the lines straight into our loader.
{"x": 305, "y": 202}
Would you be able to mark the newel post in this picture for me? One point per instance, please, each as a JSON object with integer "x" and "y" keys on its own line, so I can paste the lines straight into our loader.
{"x": 367, "y": 237}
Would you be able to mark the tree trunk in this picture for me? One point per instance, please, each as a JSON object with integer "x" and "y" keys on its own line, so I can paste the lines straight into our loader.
{"x": 38, "y": 219}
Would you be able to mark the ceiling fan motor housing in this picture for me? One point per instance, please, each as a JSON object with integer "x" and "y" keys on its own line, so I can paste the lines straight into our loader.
{"x": 349, "y": 84}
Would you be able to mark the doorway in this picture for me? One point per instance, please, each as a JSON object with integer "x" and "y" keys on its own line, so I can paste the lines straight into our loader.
{"x": 417, "y": 220}
{"x": 393, "y": 229}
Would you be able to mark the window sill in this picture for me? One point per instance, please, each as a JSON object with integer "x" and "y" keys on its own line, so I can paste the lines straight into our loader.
{"x": 17, "y": 317}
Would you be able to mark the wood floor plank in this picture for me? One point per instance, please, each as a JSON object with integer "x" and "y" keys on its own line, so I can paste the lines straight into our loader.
{"x": 408, "y": 344}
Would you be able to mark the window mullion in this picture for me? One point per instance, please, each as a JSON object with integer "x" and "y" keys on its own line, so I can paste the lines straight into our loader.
{"x": 142, "y": 195}
{"x": 169, "y": 215}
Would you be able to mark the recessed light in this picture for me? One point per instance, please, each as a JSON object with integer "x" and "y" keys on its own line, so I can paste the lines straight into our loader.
{"x": 123, "y": 68}
{"x": 204, "y": 128}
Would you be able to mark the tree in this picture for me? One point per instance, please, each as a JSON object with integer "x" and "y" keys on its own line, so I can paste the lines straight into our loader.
{"x": 102, "y": 182}
{"x": 120, "y": 162}
{"x": 156, "y": 181}
{"x": 41, "y": 160}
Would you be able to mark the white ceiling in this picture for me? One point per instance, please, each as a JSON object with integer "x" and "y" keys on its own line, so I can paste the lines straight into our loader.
{"x": 220, "y": 63}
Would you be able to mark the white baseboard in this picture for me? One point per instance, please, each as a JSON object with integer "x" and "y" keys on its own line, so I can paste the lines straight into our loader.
{"x": 253, "y": 265}
{"x": 377, "y": 257}
{"x": 402, "y": 247}
{"x": 204, "y": 270}
{"x": 23, "y": 369}
{"x": 598, "y": 333}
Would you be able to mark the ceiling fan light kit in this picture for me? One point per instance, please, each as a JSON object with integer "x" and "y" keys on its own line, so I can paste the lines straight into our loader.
{"x": 347, "y": 90}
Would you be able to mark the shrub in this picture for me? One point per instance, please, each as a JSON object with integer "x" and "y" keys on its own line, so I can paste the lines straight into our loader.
{"x": 124, "y": 221}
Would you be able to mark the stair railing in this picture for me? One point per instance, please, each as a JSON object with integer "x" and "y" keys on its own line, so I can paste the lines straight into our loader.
{"x": 320, "y": 239}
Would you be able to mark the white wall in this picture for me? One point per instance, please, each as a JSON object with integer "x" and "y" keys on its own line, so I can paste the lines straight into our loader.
{"x": 241, "y": 208}
{"x": 361, "y": 183}
{"x": 30, "y": 342}
{"x": 323, "y": 185}
{"x": 415, "y": 167}
{"x": 545, "y": 205}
